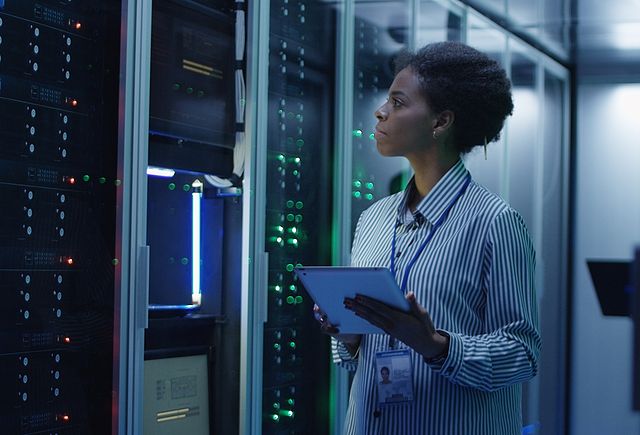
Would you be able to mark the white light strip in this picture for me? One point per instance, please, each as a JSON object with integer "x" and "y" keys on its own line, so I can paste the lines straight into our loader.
{"x": 196, "y": 197}
{"x": 160, "y": 172}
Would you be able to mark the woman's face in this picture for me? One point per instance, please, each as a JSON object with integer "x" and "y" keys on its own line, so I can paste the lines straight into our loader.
{"x": 405, "y": 121}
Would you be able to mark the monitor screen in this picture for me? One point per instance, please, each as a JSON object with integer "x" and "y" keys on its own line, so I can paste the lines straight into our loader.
{"x": 176, "y": 396}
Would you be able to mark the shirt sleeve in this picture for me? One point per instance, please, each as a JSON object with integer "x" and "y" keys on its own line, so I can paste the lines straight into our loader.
{"x": 342, "y": 357}
{"x": 508, "y": 353}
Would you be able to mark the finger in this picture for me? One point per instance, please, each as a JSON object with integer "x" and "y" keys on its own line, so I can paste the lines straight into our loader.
{"x": 329, "y": 329}
{"x": 414, "y": 307}
{"x": 376, "y": 318}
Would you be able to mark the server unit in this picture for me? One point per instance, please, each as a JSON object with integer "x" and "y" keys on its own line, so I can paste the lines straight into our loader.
{"x": 59, "y": 83}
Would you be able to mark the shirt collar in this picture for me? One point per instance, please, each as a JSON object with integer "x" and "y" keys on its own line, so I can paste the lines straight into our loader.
{"x": 437, "y": 200}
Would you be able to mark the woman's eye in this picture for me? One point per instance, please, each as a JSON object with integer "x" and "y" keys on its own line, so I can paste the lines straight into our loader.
{"x": 396, "y": 103}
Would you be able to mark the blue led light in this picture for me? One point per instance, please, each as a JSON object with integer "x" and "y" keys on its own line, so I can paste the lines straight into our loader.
{"x": 159, "y": 172}
{"x": 196, "y": 197}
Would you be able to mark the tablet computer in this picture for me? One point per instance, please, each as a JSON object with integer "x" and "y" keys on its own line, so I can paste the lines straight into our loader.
{"x": 329, "y": 285}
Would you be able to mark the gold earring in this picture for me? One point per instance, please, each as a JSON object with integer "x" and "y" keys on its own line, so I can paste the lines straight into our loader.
{"x": 485, "y": 147}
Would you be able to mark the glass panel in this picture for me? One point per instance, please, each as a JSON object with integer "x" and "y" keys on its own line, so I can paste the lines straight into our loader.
{"x": 437, "y": 23}
{"x": 522, "y": 132}
{"x": 487, "y": 172}
{"x": 298, "y": 204}
{"x": 381, "y": 31}
{"x": 552, "y": 259}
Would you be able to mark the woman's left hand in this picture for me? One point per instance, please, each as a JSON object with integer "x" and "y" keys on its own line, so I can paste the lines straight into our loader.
{"x": 414, "y": 328}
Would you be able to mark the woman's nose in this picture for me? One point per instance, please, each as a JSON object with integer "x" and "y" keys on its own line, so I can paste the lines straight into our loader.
{"x": 380, "y": 113}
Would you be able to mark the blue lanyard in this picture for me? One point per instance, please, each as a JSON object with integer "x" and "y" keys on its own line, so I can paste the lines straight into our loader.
{"x": 432, "y": 232}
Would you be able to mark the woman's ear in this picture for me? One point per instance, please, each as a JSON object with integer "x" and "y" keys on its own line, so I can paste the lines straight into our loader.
{"x": 443, "y": 122}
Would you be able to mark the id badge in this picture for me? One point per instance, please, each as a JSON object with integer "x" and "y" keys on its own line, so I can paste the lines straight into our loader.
{"x": 394, "y": 377}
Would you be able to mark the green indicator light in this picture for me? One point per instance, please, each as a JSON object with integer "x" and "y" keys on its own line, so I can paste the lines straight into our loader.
{"x": 293, "y": 230}
{"x": 279, "y": 228}
{"x": 290, "y": 204}
{"x": 274, "y": 417}
{"x": 372, "y": 136}
{"x": 176, "y": 86}
{"x": 290, "y": 217}
{"x": 189, "y": 90}
{"x": 186, "y": 187}
{"x": 286, "y": 413}
{"x": 281, "y": 112}
{"x": 357, "y": 184}
{"x": 297, "y": 160}
{"x": 296, "y": 172}
{"x": 299, "y": 265}
{"x": 300, "y": 142}
{"x": 293, "y": 288}
{"x": 85, "y": 178}
{"x": 117, "y": 182}
{"x": 278, "y": 289}
{"x": 289, "y": 267}
{"x": 369, "y": 185}
{"x": 357, "y": 194}
{"x": 369, "y": 196}
{"x": 299, "y": 205}
{"x": 292, "y": 344}
{"x": 115, "y": 262}
{"x": 290, "y": 300}
{"x": 298, "y": 299}
{"x": 293, "y": 242}
{"x": 276, "y": 346}
{"x": 298, "y": 218}
{"x": 291, "y": 402}
{"x": 276, "y": 405}
{"x": 102, "y": 180}
{"x": 172, "y": 186}
{"x": 184, "y": 261}
{"x": 357, "y": 133}
{"x": 280, "y": 157}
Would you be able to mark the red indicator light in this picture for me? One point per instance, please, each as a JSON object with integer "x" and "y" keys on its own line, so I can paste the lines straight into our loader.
{"x": 65, "y": 418}
{"x": 78, "y": 25}
{"x": 67, "y": 340}
{"x": 74, "y": 102}
{"x": 72, "y": 180}
{"x": 69, "y": 261}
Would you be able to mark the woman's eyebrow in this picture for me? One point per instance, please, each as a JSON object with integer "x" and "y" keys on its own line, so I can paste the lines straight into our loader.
{"x": 398, "y": 94}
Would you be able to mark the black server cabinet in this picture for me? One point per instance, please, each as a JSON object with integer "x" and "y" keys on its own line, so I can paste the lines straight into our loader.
{"x": 298, "y": 216}
{"x": 59, "y": 88}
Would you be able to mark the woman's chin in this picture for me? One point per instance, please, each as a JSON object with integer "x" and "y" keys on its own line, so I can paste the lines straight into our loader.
{"x": 385, "y": 151}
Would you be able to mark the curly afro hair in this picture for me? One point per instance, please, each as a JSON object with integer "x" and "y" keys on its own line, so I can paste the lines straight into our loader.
{"x": 456, "y": 77}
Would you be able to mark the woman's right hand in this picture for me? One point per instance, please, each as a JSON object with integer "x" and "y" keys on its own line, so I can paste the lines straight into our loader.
{"x": 352, "y": 340}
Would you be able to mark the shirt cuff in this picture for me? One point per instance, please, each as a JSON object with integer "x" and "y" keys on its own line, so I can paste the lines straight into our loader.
{"x": 341, "y": 353}
{"x": 450, "y": 366}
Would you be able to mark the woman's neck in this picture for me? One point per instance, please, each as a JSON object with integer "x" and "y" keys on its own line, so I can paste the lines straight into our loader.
{"x": 428, "y": 170}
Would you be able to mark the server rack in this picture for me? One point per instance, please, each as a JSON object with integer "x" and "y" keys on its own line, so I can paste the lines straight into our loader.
{"x": 59, "y": 255}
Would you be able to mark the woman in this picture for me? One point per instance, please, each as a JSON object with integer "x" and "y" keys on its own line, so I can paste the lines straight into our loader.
{"x": 460, "y": 253}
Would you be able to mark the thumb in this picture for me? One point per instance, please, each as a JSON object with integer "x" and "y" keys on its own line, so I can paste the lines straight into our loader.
{"x": 413, "y": 304}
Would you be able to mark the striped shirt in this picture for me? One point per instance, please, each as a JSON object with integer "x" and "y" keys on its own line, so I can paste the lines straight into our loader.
{"x": 476, "y": 280}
